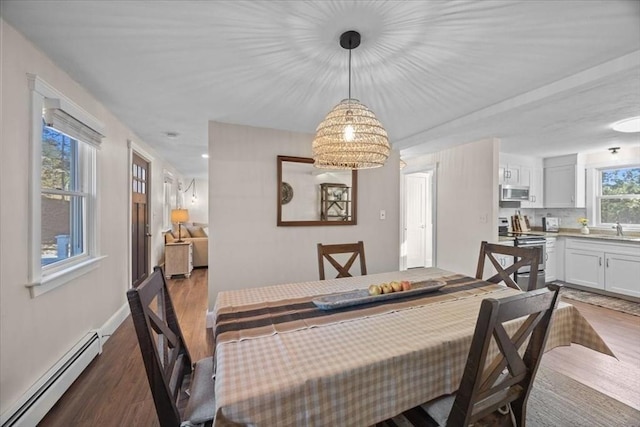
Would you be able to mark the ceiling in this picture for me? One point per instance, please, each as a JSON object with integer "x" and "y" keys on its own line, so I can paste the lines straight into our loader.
{"x": 546, "y": 77}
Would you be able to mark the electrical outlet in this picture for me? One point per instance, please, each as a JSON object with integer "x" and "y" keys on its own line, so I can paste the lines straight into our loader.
{"x": 383, "y": 214}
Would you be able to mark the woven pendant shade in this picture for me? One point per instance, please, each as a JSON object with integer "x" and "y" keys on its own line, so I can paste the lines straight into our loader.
{"x": 350, "y": 137}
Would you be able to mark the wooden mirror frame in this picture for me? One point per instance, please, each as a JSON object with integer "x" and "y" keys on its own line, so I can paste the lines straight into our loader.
{"x": 354, "y": 197}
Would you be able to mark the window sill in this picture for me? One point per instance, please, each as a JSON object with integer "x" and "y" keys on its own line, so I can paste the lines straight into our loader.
{"x": 59, "y": 278}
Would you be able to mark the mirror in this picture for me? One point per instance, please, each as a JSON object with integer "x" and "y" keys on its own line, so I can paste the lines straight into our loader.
{"x": 311, "y": 196}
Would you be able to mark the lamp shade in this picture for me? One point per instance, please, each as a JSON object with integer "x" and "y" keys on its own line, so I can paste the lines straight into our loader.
{"x": 350, "y": 137}
{"x": 179, "y": 215}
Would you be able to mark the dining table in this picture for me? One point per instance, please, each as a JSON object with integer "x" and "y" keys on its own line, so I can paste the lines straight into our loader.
{"x": 282, "y": 358}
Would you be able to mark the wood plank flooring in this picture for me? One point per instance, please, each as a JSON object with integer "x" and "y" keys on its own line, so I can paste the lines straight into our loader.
{"x": 113, "y": 391}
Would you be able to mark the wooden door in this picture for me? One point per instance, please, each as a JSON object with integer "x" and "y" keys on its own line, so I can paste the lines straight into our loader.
{"x": 139, "y": 220}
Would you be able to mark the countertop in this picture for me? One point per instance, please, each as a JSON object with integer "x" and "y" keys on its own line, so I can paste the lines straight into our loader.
{"x": 595, "y": 234}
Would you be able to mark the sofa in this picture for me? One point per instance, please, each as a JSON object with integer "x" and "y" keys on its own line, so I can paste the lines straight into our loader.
{"x": 198, "y": 235}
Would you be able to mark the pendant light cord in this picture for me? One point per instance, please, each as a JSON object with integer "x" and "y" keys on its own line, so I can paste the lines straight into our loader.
{"x": 349, "y": 72}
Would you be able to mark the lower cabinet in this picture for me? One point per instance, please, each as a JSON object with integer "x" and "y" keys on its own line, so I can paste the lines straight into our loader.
{"x": 551, "y": 260}
{"x": 584, "y": 267}
{"x": 606, "y": 266}
{"x": 504, "y": 260}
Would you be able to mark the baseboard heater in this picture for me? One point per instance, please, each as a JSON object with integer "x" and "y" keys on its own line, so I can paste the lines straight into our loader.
{"x": 41, "y": 397}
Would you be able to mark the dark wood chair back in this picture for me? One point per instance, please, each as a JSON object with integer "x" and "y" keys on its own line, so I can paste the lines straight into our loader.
{"x": 165, "y": 355}
{"x": 355, "y": 249}
{"x": 521, "y": 256}
{"x": 486, "y": 385}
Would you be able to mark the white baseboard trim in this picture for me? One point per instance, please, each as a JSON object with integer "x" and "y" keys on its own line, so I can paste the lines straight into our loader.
{"x": 44, "y": 393}
{"x": 210, "y": 319}
{"x": 112, "y": 324}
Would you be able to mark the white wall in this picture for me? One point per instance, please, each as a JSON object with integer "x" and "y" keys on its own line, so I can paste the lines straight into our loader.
{"x": 198, "y": 211}
{"x": 467, "y": 202}
{"x": 247, "y": 249}
{"x": 36, "y": 332}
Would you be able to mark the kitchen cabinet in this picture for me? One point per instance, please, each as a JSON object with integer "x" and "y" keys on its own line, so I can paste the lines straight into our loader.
{"x": 504, "y": 260}
{"x": 602, "y": 265}
{"x": 564, "y": 182}
{"x": 509, "y": 174}
{"x": 524, "y": 171}
{"x": 534, "y": 178}
{"x": 550, "y": 260}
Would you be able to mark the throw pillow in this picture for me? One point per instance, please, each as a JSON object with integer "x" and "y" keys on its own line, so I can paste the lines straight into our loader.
{"x": 184, "y": 233}
{"x": 196, "y": 232}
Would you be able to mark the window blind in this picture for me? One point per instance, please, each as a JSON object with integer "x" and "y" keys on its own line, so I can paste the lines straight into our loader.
{"x": 63, "y": 122}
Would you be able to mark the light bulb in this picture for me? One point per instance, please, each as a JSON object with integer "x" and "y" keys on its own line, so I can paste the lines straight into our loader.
{"x": 349, "y": 133}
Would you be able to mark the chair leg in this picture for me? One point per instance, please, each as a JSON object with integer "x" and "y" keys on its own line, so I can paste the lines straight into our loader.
{"x": 519, "y": 410}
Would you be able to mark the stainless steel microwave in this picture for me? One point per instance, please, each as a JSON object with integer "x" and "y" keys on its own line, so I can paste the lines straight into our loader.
{"x": 514, "y": 193}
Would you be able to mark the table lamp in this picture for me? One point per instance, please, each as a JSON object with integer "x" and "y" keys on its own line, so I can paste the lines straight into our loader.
{"x": 179, "y": 216}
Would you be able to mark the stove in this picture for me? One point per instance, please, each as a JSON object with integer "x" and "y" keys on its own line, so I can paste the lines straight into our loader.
{"x": 523, "y": 273}
{"x": 526, "y": 240}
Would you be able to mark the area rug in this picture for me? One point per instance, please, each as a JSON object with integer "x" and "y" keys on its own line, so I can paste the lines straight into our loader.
{"x": 557, "y": 401}
{"x": 605, "y": 301}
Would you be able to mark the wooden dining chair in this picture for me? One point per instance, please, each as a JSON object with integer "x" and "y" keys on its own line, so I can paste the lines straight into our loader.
{"x": 506, "y": 380}
{"x": 327, "y": 251}
{"x": 521, "y": 256}
{"x": 167, "y": 360}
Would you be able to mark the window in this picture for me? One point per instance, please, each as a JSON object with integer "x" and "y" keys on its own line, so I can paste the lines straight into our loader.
{"x": 63, "y": 203}
{"x": 618, "y": 195}
{"x": 63, "y": 235}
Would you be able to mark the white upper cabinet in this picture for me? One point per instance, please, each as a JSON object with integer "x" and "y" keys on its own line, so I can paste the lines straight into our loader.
{"x": 536, "y": 188}
{"x": 525, "y": 171}
{"x": 509, "y": 174}
{"x": 564, "y": 182}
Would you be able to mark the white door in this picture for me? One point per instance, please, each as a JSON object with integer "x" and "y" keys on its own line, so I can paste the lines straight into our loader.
{"x": 418, "y": 225}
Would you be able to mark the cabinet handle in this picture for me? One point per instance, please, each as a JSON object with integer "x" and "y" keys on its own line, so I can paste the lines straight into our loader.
{"x": 607, "y": 262}
{"x": 600, "y": 261}
{"x": 546, "y": 256}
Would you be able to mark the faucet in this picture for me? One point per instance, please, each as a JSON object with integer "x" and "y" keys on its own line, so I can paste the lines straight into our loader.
{"x": 618, "y": 228}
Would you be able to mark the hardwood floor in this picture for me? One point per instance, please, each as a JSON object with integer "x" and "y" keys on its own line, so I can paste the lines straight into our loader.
{"x": 113, "y": 391}
{"x": 619, "y": 378}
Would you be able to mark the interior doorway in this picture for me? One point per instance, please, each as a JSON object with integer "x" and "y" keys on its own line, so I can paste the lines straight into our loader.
{"x": 418, "y": 218}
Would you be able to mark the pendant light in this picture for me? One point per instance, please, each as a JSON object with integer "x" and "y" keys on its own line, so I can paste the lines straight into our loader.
{"x": 350, "y": 136}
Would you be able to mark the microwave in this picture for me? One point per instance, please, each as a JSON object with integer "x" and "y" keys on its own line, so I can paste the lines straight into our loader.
{"x": 514, "y": 193}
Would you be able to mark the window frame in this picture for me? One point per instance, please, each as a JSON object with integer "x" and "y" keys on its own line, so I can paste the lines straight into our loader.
{"x": 169, "y": 196}
{"x": 42, "y": 279}
{"x": 594, "y": 197}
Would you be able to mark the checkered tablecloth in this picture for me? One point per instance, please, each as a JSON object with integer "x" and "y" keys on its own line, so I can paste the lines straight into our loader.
{"x": 360, "y": 371}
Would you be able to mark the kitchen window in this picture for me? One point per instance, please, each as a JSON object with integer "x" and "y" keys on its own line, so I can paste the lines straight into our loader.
{"x": 618, "y": 195}
{"x": 63, "y": 234}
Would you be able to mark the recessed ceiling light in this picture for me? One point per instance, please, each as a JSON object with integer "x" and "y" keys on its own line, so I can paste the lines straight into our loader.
{"x": 171, "y": 135}
{"x": 205, "y": 156}
{"x": 629, "y": 125}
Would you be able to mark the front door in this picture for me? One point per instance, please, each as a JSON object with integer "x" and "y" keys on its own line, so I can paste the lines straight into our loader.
{"x": 139, "y": 220}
